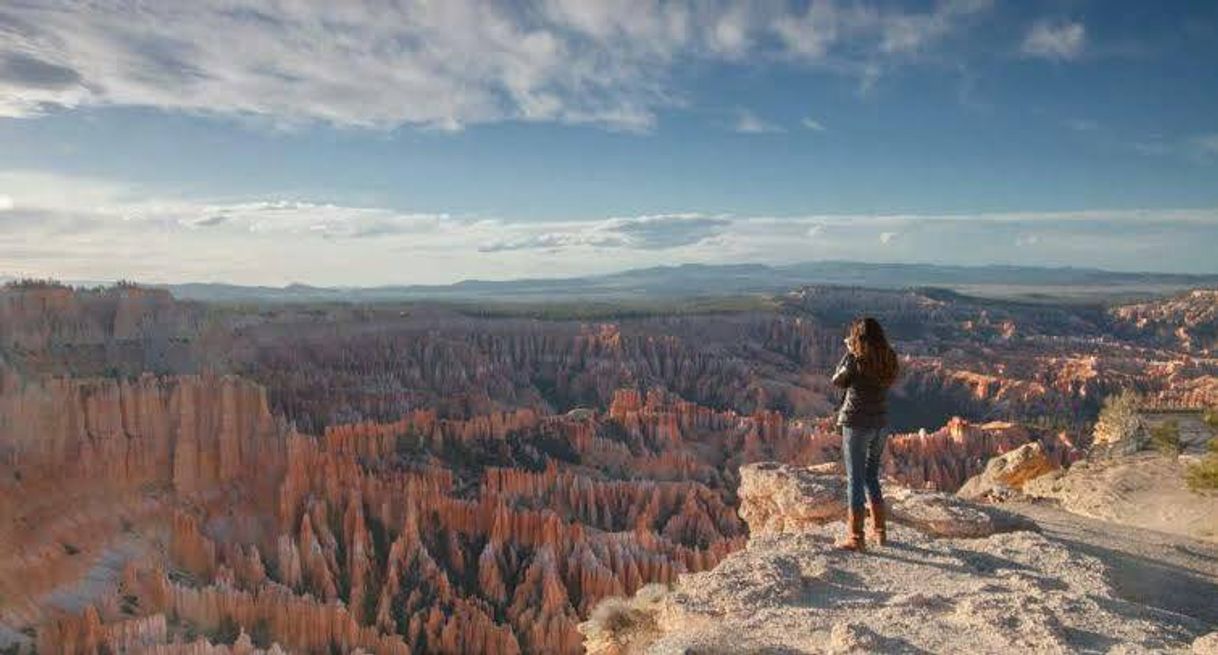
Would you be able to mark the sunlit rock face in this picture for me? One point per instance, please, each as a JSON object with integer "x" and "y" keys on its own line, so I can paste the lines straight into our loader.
{"x": 779, "y": 498}
{"x": 1005, "y": 476}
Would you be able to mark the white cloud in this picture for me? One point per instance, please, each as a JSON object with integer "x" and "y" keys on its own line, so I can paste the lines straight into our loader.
{"x": 104, "y": 230}
{"x": 1055, "y": 40}
{"x": 749, "y": 123}
{"x": 1207, "y": 143}
{"x": 1082, "y": 125}
{"x": 443, "y": 65}
{"x": 6, "y": 203}
{"x": 812, "y": 124}
{"x": 657, "y": 232}
{"x": 1199, "y": 147}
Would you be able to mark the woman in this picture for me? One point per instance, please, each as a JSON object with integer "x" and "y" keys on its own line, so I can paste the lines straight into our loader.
{"x": 865, "y": 372}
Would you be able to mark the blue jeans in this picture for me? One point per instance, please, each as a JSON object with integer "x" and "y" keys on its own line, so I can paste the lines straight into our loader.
{"x": 861, "y": 448}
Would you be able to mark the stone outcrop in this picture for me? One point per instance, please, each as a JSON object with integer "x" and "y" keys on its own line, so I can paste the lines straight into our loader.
{"x": 1005, "y": 475}
{"x": 946, "y": 458}
{"x": 791, "y": 591}
{"x": 779, "y": 498}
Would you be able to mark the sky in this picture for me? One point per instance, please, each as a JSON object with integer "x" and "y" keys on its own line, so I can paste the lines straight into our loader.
{"x": 372, "y": 142}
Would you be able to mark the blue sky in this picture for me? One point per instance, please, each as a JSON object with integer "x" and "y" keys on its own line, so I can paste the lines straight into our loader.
{"x": 397, "y": 142}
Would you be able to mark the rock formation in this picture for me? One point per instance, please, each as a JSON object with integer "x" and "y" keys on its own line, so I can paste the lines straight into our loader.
{"x": 1188, "y": 321}
{"x": 789, "y": 590}
{"x": 181, "y": 479}
{"x": 1005, "y": 475}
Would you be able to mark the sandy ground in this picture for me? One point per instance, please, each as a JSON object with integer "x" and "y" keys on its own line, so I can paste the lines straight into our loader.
{"x": 1145, "y": 490}
{"x": 1169, "y": 572}
{"x": 1020, "y": 592}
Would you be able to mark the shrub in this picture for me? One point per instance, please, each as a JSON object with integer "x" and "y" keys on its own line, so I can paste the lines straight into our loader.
{"x": 1118, "y": 420}
{"x": 226, "y": 632}
{"x": 1204, "y": 474}
{"x": 1166, "y": 437}
{"x": 260, "y": 634}
{"x": 622, "y": 621}
{"x": 1211, "y": 419}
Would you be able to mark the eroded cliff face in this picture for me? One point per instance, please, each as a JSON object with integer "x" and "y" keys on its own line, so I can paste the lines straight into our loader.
{"x": 188, "y": 431}
{"x": 125, "y": 330}
{"x": 89, "y": 467}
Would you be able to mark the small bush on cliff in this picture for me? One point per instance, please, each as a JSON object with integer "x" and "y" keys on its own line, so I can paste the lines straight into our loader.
{"x": 1166, "y": 438}
{"x": 34, "y": 284}
{"x": 260, "y": 634}
{"x": 1211, "y": 419}
{"x": 618, "y": 622}
{"x": 1118, "y": 419}
{"x": 226, "y": 632}
{"x": 1204, "y": 474}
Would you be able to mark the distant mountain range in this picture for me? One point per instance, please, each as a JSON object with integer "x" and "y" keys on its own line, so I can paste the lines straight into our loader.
{"x": 701, "y": 280}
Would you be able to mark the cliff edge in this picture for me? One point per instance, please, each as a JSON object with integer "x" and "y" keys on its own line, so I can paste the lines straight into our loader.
{"x": 957, "y": 577}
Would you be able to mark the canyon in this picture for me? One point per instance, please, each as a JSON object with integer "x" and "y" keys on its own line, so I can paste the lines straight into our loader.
{"x": 183, "y": 477}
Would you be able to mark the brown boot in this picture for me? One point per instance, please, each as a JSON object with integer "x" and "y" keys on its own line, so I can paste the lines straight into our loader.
{"x": 879, "y": 531}
{"x": 854, "y": 535}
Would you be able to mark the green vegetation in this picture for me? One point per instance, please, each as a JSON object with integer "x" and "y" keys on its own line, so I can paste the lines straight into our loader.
{"x": 260, "y": 634}
{"x": 1166, "y": 438}
{"x": 225, "y": 633}
{"x": 1204, "y": 474}
{"x": 32, "y": 284}
{"x": 1211, "y": 419}
{"x": 1118, "y": 420}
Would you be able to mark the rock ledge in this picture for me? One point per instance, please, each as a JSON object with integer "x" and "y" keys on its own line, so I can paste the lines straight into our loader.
{"x": 957, "y": 578}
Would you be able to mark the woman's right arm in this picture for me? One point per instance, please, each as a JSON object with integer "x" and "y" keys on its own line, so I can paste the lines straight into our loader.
{"x": 845, "y": 372}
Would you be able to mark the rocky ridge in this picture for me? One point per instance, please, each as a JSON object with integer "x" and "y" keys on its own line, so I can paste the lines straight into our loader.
{"x": 1000, "y": 589}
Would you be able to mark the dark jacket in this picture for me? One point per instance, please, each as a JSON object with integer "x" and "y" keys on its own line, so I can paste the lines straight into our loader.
{"x": 865, "y": 402}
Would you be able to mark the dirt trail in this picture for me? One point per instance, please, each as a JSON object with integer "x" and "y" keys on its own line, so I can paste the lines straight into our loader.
{"x": 1164, "y": 571}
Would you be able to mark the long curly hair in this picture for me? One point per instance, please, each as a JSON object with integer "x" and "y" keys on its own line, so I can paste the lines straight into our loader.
{"x": 876, "y": 359}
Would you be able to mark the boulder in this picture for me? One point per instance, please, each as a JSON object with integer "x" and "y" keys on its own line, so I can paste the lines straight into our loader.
{"x": 1005, "y": 475}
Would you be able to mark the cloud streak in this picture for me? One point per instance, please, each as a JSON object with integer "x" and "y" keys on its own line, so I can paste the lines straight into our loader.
{"x": 659, "y": 232}
{"x": 442, "y": 65}
{"x": 104, "y": 230}
{"x": 749, "y": 123}
{"x": 1060, "y": 41}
